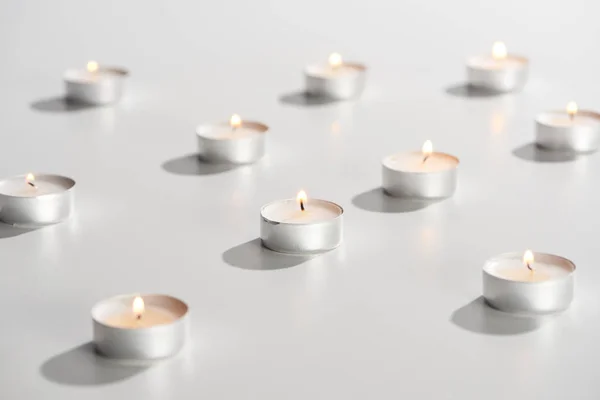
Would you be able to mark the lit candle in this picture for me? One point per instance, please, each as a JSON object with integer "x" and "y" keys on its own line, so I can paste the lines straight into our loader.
{"x": 301, "y": 225}
{"x": 569, "y": 130}
{"x": 337, "y": 79}
{"x": 528, "y": 283}
{"x": 236, "y": 141}
{"x": 140, "y": 327}
{"x": 498, "y": 71}
{"x": 424, "y": 174}
{"x": 97, "y": 85}
{"x": 36, "y": 200}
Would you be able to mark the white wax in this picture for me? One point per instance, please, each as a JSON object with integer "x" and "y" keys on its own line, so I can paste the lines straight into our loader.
{"x": 326, "y": 71}
{"x": 289, "y": 211}
{"x": 44, "y": 184}
{"x": 548, "y": 268}
{"x": 224, "y": 131}
{"x": 413, "y": 162}
{"x": 152, "y": 316}
{"x": 490, "y": 63}
{"x": 562, "y": 119}
{"x": 85, "y": 76}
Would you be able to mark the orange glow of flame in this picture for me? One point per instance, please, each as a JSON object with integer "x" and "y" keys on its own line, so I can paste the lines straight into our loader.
{"x": 301, "y": 198}
{"x": 528, "y": 259}
{"x": 92, "y": 66}
{"x": 235, "y": 121}
{"x": 499, "y": 51}
{"x": 572, "y": 109}
{"x": 335, "y": 60}
{"x": 30, "y": 178}
{"x": 138, "y": 307}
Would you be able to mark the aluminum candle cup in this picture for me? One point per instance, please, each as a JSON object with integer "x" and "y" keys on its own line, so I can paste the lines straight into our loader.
{"x": 96, "y": 85}
{"x": 408, "y": 175}
{"x": 124, "y": 329}
{"x": 499, "y": 71}
{"x": 337, "y": 80}
{"x": 561, "y": 131}
{"x": 508, "y": 285}
{"x": 285, "y": 228}
{"x": 234, "y": 142}
{"x": 36, "y": 200}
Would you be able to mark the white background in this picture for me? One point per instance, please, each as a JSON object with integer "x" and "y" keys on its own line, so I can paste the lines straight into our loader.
{"x": 393, "y": 313}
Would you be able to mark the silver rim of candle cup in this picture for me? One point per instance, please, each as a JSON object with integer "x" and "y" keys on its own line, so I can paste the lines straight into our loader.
{"x": 499, "y": 80}
{"x": 419, "y": 184}
{"x": 528, "y": 298}
{"x": 302, "y": 238}
{"x": 150, "y": 343}
{"x": 38, "y": 211}
{"x": 107, "y": 90}
{"x": 578, "y": 139}
{"x": 232, "y": 151}
{"x": 338, "y": 88}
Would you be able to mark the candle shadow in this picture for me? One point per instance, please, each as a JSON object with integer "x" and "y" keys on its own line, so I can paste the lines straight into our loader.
{"x": 59, "y": 105}
{"x": 531, "y": 152}
{"x": 7, "y": 231}
{"x": 376, "y": 200}
{"x": 82, "y": 366}
{"x": 304, "y": 99}
{"x": 254, "y": 256}
{"x": 467, "y": 91}
{"x": 191, "y": 165}
{"x": 479, "y": 317}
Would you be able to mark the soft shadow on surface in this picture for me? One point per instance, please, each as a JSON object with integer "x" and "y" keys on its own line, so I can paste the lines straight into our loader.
{"x": 376, "y": 200}
{"x": 531, "y": 152}
{"x": 304, "y": 99}
{"x": 58, "y": 105}
{"x": 191, "y": 165}
{"x": 253, "y": 255}
{"x": 81, "y": 366}
{"x": 468, "y": 91}
{"x": 478, "y": 317}
{"x": 7, "y": 231}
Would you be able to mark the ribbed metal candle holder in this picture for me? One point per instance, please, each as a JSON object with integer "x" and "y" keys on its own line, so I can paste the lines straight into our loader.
{"x": 345, "y": 86}
{"x": 579, "y": 138}
{"x": 106, "y": 88}
{"x": 243, "y": 150}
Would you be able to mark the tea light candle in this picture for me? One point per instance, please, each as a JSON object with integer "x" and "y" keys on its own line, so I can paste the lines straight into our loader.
{"x": 569, "y": 130}
{"x": 499, "y": 71}
{"x": 424, "y": 174}
{"x": 337, "y": 80}
{"x": 95, "y": 85}
{"x": 526, "y": 284}
{"x": 140, "y": 327}
{"x": 301, "y": 226}
{"x": 36, "y": 200}
{"x": 236, "y": 142}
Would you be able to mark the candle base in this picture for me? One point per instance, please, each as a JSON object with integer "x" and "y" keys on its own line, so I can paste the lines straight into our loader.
{"x": 243, "y": 150}
{"x": 497, "y": 80}
{"x": 430, "y": 185}
{"x": 345, "y": 87}
{"x": 103, "y": 91}
{"x": 573, "y": 138}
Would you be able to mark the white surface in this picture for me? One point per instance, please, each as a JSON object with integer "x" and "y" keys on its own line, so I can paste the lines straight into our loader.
{"x": 390, "y": 314}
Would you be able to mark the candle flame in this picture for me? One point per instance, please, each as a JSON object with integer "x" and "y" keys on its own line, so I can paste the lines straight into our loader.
{"x": 427, "y": 148}
{"x": 92, "y": 66}
{"x": 138, "y": 307}
{"x": 572, "y": 109}
{"x": 235, "y": 121}
{"x": 30, "y": 178}
{"x": 528, "y": 259}
{"x": 301, "y": 198}
{"x": 499, "y": 51}
{"x": 335, "y": 60}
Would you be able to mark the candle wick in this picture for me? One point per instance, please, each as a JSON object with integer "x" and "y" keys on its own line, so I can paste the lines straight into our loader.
{"x": 425, "y": 158}
{"x": 32, "y": 185}
{"x": 572, "y": 116}
{"x": 529, "y": 267}
{"x": 302, "y": 205}
{"x": 138, "y": 317}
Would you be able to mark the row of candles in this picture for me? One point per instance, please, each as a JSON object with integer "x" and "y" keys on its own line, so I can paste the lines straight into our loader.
{"x": 155, "y": 326}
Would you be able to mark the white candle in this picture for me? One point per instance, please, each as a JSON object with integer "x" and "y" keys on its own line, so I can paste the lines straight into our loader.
{"x": 498, "y": 71}
{"x": 95, "y": 85}
{"x": 140, "y": 327}
{"x": 424, "y": 174}
{"x": 302, "y": 225}
{"x": 336, "y": 79}
{"x": 237, "y": 141}
{"x": 569, "y": 130}
{"x": 528, "y": 283}
{"x": 33, "y": 200}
